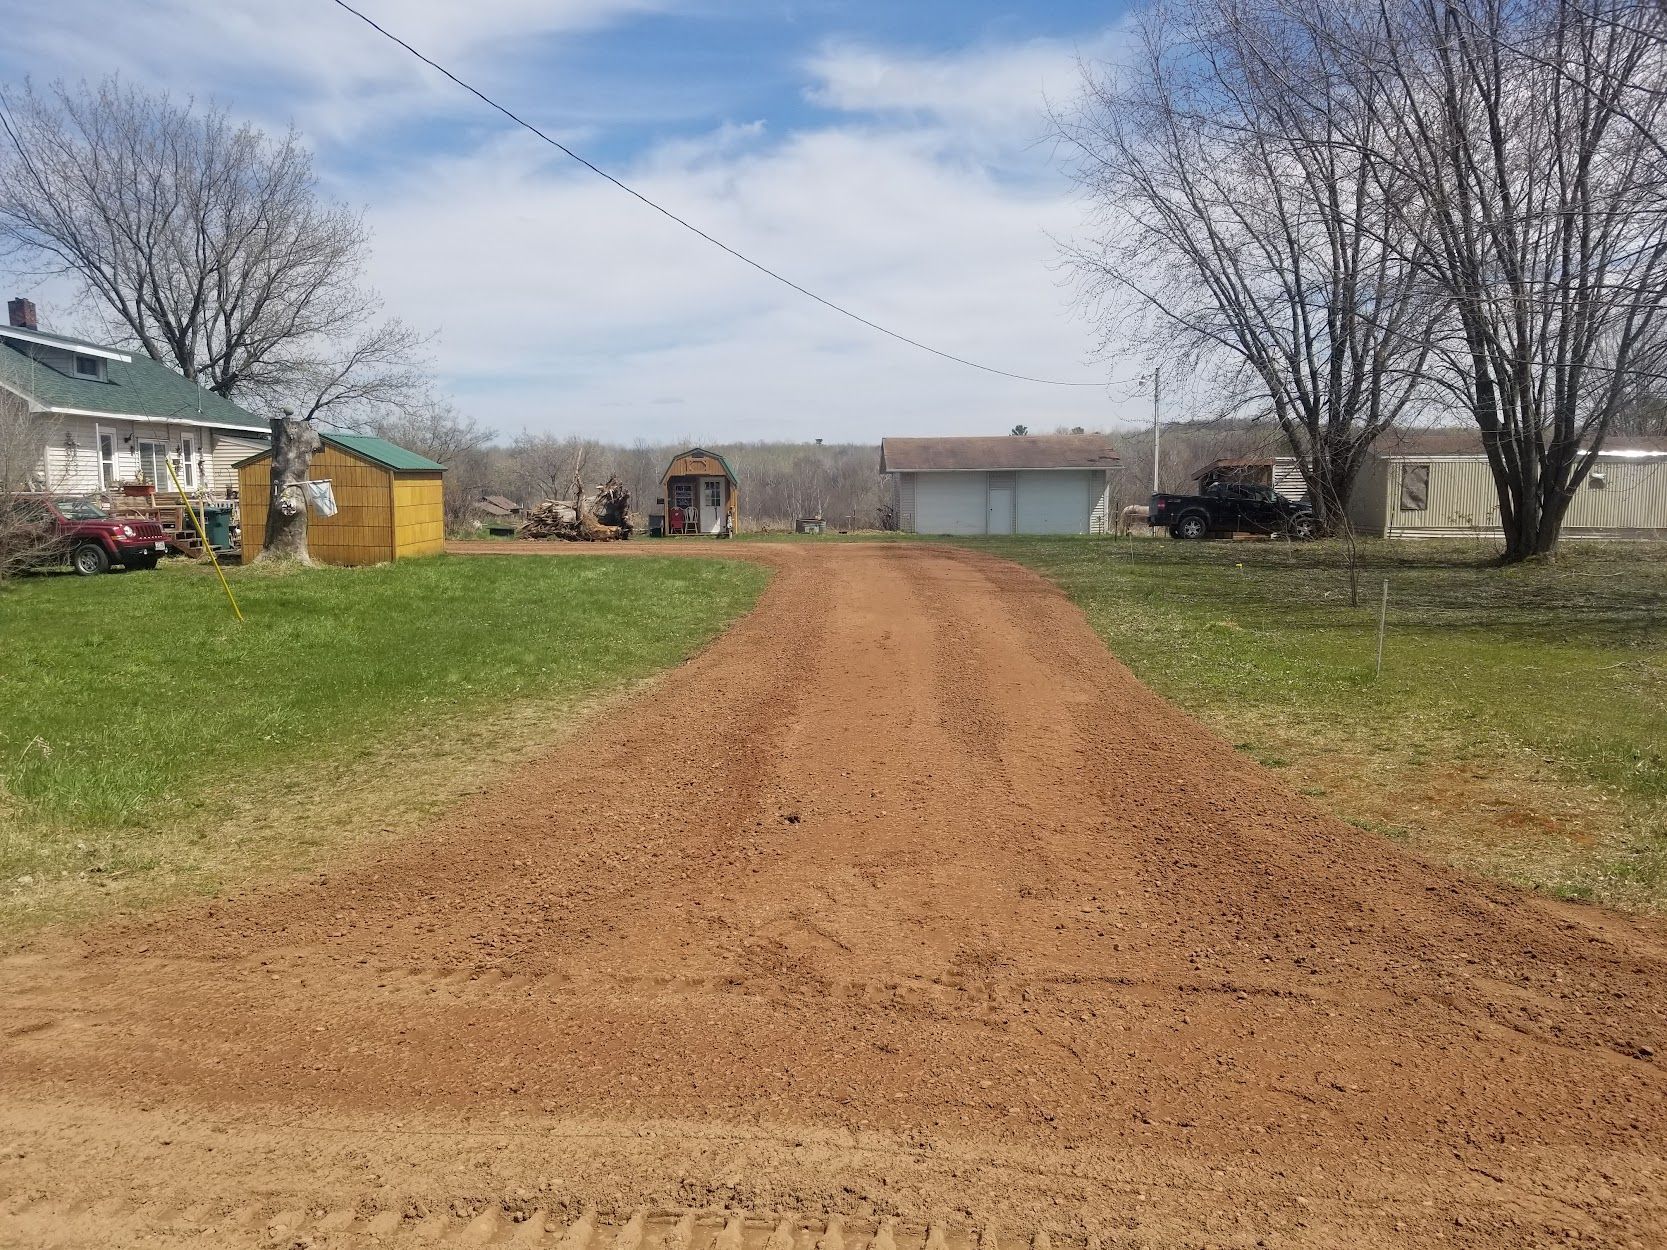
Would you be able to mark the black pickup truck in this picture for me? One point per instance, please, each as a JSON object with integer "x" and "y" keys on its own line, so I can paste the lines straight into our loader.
{"x": 1232, "y": 508}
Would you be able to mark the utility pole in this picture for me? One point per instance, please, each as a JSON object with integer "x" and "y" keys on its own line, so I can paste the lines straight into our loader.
{"x": 1157, "y": 386}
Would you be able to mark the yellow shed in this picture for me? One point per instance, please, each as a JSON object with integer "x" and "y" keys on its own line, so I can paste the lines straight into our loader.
{"x": 389, "y": 502}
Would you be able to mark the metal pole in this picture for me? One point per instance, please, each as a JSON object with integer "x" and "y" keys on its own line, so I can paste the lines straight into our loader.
{"x": 1383, "y": 617}
{"x": 1157, "y": 385}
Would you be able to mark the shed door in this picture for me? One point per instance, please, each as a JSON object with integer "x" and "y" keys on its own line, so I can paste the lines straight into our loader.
{"x": 712, "y": 504}
{"x": 1001, "y": 504}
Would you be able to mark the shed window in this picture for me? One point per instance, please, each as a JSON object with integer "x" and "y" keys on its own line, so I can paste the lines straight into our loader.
{"x": 1415, "y": 487}
{"x": 89, "y": 367}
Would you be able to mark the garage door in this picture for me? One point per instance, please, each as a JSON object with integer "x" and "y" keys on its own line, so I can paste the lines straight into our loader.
{"x": 949, "y": 503}
{"x": 1053, "y": 502}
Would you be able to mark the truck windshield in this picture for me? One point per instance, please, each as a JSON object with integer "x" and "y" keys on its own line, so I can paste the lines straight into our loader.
{"x": 77, "y": 509}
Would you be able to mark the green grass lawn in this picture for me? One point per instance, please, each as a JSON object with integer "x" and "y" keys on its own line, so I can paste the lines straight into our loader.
{"x": 149, "y": 743}
{"x": 1519, "y": 727}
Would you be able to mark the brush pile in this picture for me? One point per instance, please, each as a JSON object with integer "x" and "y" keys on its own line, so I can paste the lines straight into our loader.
{"x": 603, "y": 517}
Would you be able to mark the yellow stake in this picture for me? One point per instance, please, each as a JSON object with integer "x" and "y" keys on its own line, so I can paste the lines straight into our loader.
{"x": 198, "y": 526}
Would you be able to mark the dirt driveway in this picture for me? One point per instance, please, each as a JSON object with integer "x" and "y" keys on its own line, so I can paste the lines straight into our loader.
{"x": 903, "y": 917}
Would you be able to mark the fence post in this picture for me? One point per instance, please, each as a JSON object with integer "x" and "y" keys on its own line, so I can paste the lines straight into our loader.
{"x": 1383, "y": 618}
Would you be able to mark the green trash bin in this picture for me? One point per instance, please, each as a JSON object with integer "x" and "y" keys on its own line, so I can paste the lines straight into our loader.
{"x": 217, "y": 525}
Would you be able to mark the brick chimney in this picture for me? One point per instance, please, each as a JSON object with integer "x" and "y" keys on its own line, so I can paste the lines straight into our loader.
{"x": 22, "y": 313}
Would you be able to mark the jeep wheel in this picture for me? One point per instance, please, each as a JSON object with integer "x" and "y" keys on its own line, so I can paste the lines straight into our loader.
{"x": 89, "y": 560}
{"x": 141, "y": 563}
{"x": 1192, "y": 528}
{"x": 1302, "y": 528}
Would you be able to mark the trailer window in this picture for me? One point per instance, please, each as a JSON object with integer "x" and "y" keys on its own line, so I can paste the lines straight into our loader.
{"x": 1415, "y": 487}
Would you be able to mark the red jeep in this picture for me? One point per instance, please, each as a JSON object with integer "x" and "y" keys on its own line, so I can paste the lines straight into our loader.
{"x": 73, "y": 528}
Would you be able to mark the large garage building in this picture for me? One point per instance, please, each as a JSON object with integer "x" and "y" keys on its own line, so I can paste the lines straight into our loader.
{"x": 1018, "y": 484}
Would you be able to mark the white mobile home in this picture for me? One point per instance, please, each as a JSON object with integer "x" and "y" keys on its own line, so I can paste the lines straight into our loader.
{"x": 1017, "y": 484}
{"x": 1437, "y": 484}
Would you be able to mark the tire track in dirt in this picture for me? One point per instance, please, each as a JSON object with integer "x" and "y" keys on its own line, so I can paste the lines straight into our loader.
{"x": 949, "y": 920}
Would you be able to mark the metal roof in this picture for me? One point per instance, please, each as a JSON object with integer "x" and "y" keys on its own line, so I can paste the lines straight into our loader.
{"x": 999, "y": 452}
{"x": 368, "y": 447}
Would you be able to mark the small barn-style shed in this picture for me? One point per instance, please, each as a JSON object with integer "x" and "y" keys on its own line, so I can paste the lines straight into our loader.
{"x": 698, "y": 492}
{"x": 389, "y": 502}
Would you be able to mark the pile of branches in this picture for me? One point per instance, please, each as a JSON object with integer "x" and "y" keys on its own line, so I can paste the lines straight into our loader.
{"x": 604, "y": 516}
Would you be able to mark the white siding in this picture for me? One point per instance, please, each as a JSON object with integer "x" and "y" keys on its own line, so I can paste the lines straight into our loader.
{"x": 949, "y": 503}
{"x": 1054, "y": 501}
{"x": 1100, "y": 520}
{"x": 225, "y": 451}
{"x": 906, "y": 502}
{"x": 1369, "y": 502}
{"x": 1287, "y": 478}
{"x": 71, "y": 459}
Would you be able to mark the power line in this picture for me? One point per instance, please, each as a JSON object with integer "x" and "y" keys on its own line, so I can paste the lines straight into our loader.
{"x": 690, "y": 226}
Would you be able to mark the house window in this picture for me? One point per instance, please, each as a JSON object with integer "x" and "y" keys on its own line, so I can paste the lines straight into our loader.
{"x": 1415, "y": 487}
{"x": 89, "y": 367}
{"x": 188, "y": 462}
{"x": 106, "y": 460}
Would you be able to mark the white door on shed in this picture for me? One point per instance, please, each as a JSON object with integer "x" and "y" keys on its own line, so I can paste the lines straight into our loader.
{"x": 949, "y": 503}
{"x": 1054, "y": 501}
{"x": 712, "y": 513}
{"x": 1001, "y": 504}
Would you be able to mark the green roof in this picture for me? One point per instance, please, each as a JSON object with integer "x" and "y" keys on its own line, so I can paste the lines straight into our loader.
{"x": 139, "y": 387}
{"x": 388, "y": 455}
{"x": 376, "y": 450}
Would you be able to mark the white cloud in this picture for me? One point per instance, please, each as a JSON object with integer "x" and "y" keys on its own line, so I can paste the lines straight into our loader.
{"x": 565, "y": 304}
{"x": 994, "y": 90}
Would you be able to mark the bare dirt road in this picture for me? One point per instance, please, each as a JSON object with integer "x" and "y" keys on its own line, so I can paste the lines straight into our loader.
{"x": 903, "y": 918}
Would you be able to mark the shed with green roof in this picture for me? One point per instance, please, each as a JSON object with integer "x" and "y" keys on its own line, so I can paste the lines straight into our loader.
{"x": 390, "y": 502}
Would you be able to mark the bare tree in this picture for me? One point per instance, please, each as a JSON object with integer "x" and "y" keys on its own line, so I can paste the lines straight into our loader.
{"x": 437, "y": 430}
{"x": 1242, "y": 230}
{"x": 204, "y": 242}
{"x": 1524, "y": 138}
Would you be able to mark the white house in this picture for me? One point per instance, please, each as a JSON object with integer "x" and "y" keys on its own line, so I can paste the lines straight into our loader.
{"x": 1017, "y": 484}
{"x": 107, "y": 417}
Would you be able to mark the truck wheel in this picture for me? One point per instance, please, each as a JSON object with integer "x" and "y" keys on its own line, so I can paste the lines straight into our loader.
{"x": 1302, "y": 528}
{"x": 89, "y": 560}
{"x": 1192, "y": 528}
{"x": 144, "y": 563}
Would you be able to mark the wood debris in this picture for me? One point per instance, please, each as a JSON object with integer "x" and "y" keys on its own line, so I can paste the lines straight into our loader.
{"x": 603, "y": 516}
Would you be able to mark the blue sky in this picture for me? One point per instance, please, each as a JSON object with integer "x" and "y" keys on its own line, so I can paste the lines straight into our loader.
{"x": 892, "y": 156}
